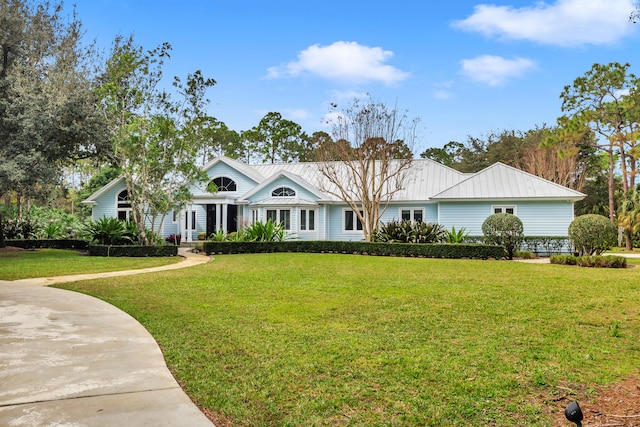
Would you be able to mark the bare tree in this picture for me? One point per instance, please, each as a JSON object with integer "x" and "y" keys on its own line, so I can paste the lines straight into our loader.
{"x": 368, "y": 164}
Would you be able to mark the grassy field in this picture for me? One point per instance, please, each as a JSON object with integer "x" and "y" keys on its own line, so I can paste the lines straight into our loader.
{"x": 58, "y": 262}
{"x": 341, "y": 340}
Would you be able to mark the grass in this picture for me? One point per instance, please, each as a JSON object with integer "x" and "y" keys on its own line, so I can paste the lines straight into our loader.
{"x": 58, "y": 262}
{"x": 340, "y": 340}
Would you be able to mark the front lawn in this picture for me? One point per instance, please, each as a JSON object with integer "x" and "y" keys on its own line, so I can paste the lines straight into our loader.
{"x": 319, "y": 339}
{"x": 59, "y": 262}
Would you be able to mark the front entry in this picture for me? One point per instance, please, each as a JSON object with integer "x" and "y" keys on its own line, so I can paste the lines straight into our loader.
{"x": 216, "y": 222}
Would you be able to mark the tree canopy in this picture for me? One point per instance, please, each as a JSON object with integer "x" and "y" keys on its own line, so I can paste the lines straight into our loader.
{"x": 48, "y": 115}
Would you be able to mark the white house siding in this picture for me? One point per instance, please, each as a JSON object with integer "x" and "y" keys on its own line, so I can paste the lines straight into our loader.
{"x": 539, "y": 218}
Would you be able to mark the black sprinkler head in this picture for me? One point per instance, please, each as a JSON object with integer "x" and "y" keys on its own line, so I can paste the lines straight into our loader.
{"x": 574, "y": 413}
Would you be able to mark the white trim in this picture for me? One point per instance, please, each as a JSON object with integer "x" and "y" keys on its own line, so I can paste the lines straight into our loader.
{"x": 355, "y": 222}
{"x": 412, "y": 212}
{"x": 503, "y": 209}
{"x": 306, "y": 217}
{"x": 128, "y": 211}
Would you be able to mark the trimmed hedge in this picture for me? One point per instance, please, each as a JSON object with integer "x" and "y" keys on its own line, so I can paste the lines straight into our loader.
{"x": 48, "y": 244}
{"x": 539, "y": 245}
{"x": 426, "y": 250}
{"x": 608, "y": 261}
{"x": 133, "y": 250}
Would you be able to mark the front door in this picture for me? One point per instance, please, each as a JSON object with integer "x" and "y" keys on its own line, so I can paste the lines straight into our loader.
{"x": 213, "y": 222}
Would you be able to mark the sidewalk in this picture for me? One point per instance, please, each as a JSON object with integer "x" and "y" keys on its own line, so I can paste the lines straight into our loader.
{"x": 68, "y": 359}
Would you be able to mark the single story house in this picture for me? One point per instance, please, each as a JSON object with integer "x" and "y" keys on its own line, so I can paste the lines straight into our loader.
{"x": 291, "y": 194}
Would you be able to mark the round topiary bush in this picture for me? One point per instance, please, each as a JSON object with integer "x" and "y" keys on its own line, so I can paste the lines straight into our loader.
{"x": 503, "y": 229}
{"x": 592, "y": 234}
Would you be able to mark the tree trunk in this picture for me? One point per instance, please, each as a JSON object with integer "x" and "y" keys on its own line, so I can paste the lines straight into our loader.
{"x": 612, "y": 189}
{"x": 2, "y": 243}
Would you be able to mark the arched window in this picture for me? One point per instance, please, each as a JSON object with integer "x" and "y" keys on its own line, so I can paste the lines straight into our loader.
{"x": 283, "y": 192}
{"x": 123, "y": 207}
{"x": 225, "y": 184}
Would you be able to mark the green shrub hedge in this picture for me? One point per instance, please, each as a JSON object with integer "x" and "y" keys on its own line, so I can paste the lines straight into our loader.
{"x": 132, "y": 250}
{"x": 48, "y": 243}
{"x": 608, "y": 261}
{"x": 427, "y": 250}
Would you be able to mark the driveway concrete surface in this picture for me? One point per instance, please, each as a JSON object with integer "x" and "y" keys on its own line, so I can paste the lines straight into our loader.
{"x": 68, "y": 359}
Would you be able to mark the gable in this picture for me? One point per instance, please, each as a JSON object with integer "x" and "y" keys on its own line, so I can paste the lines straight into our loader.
{"x": 305, "y": 193}
{"x": 243, "y": 175}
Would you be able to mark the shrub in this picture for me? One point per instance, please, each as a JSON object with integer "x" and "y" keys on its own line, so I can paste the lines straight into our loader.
{"x": 456, "y": 236}
{"x": 428, "y": 250}
{"x": 410, "y": 232}
{"x": 590, "y": 261}
{"x": 503, "y": 229}
{"x": 269, "y": 231}
{"x": 592, "y": 234}
{"x": 109, "y": 231}
{"x": 174, "y": 239}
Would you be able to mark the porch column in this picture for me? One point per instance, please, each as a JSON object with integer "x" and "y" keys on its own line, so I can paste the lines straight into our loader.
{"x": 188, "y": 223}
{"x": 224, "y": 218}
{"x": 218, "y": 216}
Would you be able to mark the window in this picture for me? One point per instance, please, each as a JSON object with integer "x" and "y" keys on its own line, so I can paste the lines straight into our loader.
{"x": 408, "y": 214}
{"x": 504, "y": 209}
{"x": 282, "y": 216}
{"x": 225, "y": 184}
{"x": 254, "y": 215}
{"x": 307, "y": 220}
{"x": 124, "y": 206}
{"x": 283, "y": 192}
{"x": 192, "y": 225}
{"x": 351, "y": 221}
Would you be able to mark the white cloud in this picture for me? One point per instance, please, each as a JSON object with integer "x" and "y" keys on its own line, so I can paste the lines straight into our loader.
{"x": 296, "y": 114}
{"x": 495, "y": 70}
{"x": 342, "y": 61}
{"x": 563, "y": 23}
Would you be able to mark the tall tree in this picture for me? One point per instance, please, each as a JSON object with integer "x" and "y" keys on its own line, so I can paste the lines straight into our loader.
{"x": 447, "y": 155}
{"x": 156, "y": 140}
{"x": 277, "y": 139}
{"x": 218, "y": 140}
{"x": 48, "y": 115}
{"x": 369, "y": 172}
{"x": 595, "y": 103}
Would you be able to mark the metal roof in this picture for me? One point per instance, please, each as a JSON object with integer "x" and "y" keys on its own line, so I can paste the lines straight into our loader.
{"x": 500, "y": 181}
{"x": 423, "y": 178}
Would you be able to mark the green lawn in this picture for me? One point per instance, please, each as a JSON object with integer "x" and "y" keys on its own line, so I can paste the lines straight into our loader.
{"x": 319, "y": 339}
{"x": 58, "y": 262}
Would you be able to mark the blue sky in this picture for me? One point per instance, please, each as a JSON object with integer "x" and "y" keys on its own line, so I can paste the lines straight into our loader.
{"x": 462, "y": 67}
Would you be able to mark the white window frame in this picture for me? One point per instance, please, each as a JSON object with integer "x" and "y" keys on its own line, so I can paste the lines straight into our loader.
{"x": 503, "y": 209}
{"x": 194, "y": 221}
{"x": 305, "y": 214}
{"x": 255, "y": 215}
{"x": 279, "y": 218}
{"x": 283, "y": 187}
{"x": 354, "y": 224}
{"x": 412, "y": 213}
{"x": 223, "y": 177}
{"x": 127, "y": 210}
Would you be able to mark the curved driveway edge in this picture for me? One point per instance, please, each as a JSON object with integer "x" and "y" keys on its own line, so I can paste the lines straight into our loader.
{"x": 68, "y": 359}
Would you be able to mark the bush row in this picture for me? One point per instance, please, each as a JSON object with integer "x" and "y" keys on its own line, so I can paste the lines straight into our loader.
{"x": 48, "y": 244}
{"x": 132, "y": 250}
{"x": 427, "y": 250}
{"x": 539, "y": 245}
{"x": 608, "y": 261}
